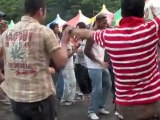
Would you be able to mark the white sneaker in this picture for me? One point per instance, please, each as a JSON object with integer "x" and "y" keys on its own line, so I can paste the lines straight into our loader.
{"x": 67, "y": 103}
{"x": 118, "y": 115}
{"x": 93, "y": 116}
{"x": 103, "y": 111}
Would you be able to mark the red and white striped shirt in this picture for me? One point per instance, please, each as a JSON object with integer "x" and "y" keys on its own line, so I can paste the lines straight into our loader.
{"x": 132, "y": 48}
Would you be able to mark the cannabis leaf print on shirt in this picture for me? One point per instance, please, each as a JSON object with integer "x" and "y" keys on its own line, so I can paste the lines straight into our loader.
{"x": 17, "y": 51}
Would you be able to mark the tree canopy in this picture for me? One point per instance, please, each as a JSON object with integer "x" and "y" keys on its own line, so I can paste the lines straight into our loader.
{"x": 66, "y": 8}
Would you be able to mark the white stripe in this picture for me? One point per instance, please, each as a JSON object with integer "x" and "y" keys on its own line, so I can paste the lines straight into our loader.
{"x": 140, "y": 82}
{"x": 98, "y": 37}
{"x": 137, "y": 80}
{"x": 142, "y": 93}
{"x": 101, "y": 43}
{"x": 139, "y": 89}
{"x": 136, "y": 66}
{"x": 157, "y": 27}
{"x": 139, "y": 100}
{"x": 131, "y": 48}
{"x": 133, "y": 34}
{"x": 131, "y": 28}
{"x": 137, "y": 73}
{"x": 124, "y": 85}
{"x": 137, "y": 60}
{"x": 134, "y": 54}
{"x": 130, "y": 41}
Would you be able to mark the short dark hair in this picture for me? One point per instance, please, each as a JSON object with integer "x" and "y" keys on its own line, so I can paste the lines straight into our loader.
{"x": 81, "y": 25}
{"x": 53, "y": 25}
{"x": 133, "y": 8}
{"x": 32, "y": 6}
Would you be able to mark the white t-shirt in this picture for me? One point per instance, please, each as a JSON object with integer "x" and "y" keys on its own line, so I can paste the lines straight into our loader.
{"x": 70, "y": 63}
{"x": 98, "y": 51}
{"x": 80, "y": 54}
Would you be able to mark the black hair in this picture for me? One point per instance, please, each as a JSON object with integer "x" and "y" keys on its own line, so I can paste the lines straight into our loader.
{"x": 32, "y": 6}
{"x": 81, "y": 25}
{"x": 132, "y": 8}
{"x": 53, "y": 25}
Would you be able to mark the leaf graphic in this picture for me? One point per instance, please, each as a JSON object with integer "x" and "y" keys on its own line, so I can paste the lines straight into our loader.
{"x": 16, "y": 51}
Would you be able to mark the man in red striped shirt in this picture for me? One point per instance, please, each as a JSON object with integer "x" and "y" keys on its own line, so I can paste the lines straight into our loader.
{"x": 132, "y": 48}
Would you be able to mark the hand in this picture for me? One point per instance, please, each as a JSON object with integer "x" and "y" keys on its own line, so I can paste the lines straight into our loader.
{"x": 104, "y": 65}
{"x": 51, "y": 70}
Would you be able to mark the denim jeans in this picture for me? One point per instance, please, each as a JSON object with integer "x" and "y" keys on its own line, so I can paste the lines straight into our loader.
{"x": 59, "y": 84}
{"x": 101, "y": 86}
{"x": 41, "y": 110}
{"x": 69, "y": 92}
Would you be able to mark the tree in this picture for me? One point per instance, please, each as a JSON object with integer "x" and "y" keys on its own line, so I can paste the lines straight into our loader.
{"x": 66, "y": 8}
{"x": 12, "y": 8}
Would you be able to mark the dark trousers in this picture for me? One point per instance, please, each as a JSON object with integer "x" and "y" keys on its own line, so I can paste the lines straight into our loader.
{"x": 113, "y": 82}
{"x": 83, "y": 79}
{"x": 42, "y": 110}
{"x": 5, "y": 107}
{"x": 140, "y": 112}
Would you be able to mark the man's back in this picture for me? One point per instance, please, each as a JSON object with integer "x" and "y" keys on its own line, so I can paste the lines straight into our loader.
{"x": 133, "y": 51}
{"x": 27, "y": 50}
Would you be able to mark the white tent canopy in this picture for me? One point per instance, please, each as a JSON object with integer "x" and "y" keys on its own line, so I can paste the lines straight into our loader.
{"x": 58, "y": 20}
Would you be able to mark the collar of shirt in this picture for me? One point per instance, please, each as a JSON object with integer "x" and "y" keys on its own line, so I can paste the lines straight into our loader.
{"x": 28, "y": 18}
{"x": 131, "y": 21}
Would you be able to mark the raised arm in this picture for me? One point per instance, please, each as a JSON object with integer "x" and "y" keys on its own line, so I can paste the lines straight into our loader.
{"x": 88, "y": 51}
{"x": 81, "y": 33}
{"x": 98, "y": 36}
{"x": 58, "y": 52}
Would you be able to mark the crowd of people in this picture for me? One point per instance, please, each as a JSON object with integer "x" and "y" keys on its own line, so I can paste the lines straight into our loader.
{"x": 42, "y": 64}
{"x": 87, "y": 68}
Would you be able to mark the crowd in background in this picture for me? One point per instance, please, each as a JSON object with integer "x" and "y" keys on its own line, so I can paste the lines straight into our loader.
{"x": 81, "y": 68}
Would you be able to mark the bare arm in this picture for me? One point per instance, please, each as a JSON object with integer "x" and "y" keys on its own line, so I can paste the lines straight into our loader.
{"x": 90, "y": 54}
{"x": 82, "y": 33}
{"x": 1, "y": 52}
{"x": 58, "y": 51}
{"x": 98, "y": 36}
{"x": 88, "y": 51}
{"x": 60, "y": 56}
